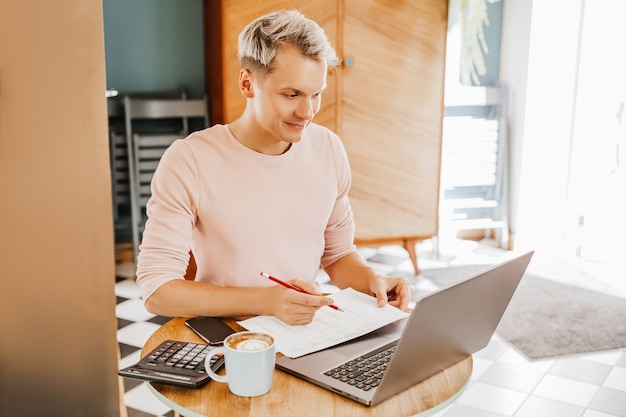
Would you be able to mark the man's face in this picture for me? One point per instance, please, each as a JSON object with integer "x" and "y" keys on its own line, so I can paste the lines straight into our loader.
{"x": 286, "y": 100}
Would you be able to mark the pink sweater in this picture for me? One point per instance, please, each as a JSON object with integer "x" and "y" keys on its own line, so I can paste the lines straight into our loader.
{"x": 242, "y": 212}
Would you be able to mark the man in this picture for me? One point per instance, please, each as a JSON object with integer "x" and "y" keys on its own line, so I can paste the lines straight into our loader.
{"x": 268, "y": 192}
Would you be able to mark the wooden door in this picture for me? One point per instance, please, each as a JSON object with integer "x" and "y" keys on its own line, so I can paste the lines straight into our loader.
{"x": 391, "y": 112}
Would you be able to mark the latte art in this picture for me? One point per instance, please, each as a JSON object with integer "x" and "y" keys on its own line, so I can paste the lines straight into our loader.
{"x": 249, "y": 341}
{"x": 251, "y": 345}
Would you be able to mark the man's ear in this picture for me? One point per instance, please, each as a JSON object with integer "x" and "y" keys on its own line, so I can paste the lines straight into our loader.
{"x": 245, "y": 83}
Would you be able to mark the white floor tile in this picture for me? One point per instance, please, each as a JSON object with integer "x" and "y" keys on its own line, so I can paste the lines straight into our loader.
{"x": 462, "y": 411}
{"x": 127, "y": 289}
{"x": 492, "y": 399}
{"x": 422, "y": 288}
{"x": 406, "y": 267}
{"x": 581, "y": 370}
{"x": 136, "y": 334}
{"x": 541, "y": 407}
{"x": 140, "y": 398}
{"x": 592, "y": 413}
{"x": 366, "y": 252}
{"x": 616, "y": 380}
{"x": 428, "y": 263}
{"x": 381, "y": 269}
{"x": 511, "y": 377}
{"x": 495, "y": 349}
{"x": 566, "y": 390}
{"x": 611, "y": 401}
{"x": 133, "y": 310}
{"x": 394, "y": 250}
{"x": 513, "y": 357}
{"x": 129, "y": 360}
{"x": 609, "y": 357}
{"x": 480, "y": 367}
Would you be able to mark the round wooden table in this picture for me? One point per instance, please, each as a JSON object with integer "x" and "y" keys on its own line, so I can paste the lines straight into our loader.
{"x": 291, "y": 396}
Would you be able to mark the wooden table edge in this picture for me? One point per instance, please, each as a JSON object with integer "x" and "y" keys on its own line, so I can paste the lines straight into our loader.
{"x": 183, "y": 333}
{"x": 190, "y": 413}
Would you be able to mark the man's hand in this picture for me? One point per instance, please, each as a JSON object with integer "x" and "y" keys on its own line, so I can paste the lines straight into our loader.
{"x": 293, "y": 307}
{"x": 393, "y": 290}
{"x": 353, "y": 271}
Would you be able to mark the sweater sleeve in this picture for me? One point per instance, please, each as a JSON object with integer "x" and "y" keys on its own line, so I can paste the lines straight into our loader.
{"x": 339, "y": 233}
{"x": 172, "y": 208}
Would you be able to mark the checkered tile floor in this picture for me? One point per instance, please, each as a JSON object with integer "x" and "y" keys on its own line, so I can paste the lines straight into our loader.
{"x": 503, "y": 384}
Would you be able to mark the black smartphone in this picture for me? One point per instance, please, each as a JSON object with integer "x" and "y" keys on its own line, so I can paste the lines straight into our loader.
{"x": 211, "y": 329}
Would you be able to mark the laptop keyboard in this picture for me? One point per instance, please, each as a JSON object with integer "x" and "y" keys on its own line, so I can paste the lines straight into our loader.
{"x": 366, "y": 371}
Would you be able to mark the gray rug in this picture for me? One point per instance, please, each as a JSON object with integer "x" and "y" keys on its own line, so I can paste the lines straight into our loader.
{"x": 547, "y": 319}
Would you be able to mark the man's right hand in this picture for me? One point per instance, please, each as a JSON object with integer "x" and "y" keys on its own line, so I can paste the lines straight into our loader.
{"x": 293, "y": 307}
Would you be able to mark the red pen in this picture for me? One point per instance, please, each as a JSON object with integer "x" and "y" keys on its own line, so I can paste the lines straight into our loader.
{"x": 284, "y": 284}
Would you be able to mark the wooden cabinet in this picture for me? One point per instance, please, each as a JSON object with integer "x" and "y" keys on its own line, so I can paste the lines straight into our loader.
{"x": 385, "y": 101}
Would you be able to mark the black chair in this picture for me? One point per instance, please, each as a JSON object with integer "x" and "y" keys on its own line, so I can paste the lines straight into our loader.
{"x": 145, "y": 149}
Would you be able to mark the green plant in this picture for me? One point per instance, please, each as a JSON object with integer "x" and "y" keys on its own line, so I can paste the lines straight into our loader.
{"x": 472, "y": 16}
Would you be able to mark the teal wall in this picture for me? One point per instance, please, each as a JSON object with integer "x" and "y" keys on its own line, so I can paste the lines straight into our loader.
{"x": 154, "y": 45}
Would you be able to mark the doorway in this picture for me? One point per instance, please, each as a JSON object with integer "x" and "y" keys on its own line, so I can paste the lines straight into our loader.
{"x": 598, "y": 172}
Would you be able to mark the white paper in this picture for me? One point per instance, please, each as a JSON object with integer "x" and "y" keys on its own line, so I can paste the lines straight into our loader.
{"x": 330, "y": 327}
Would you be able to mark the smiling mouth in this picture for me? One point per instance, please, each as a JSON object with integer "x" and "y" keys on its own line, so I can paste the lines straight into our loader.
{"x": 297, "y": 126}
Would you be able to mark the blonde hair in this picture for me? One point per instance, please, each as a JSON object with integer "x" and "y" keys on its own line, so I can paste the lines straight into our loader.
{"x": 261, "y": 39}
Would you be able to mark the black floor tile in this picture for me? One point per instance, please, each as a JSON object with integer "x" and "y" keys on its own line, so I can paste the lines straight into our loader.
{"x": 126, "y": 350}
{"x": 159, "y": 319}
{"x": 130, "y": 383}
{"x": 136, "y": 413}
{"x": 123, "y": 323}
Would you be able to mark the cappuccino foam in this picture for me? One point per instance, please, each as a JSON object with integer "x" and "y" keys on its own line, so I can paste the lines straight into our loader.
{"x": 253, "y": 345}
{"x": 250, "y": 342}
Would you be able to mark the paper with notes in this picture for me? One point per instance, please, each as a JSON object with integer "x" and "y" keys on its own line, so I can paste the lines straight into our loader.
{"x": 330, "y": 327}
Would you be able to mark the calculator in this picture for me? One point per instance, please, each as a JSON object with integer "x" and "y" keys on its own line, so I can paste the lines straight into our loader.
{"x": 177, "y": 363}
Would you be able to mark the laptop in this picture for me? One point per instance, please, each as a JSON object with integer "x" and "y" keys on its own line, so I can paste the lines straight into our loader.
{"x": 443, "y": 328}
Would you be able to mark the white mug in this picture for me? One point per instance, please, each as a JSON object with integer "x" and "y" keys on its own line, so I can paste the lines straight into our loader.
{"x": 249, "y": 360}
